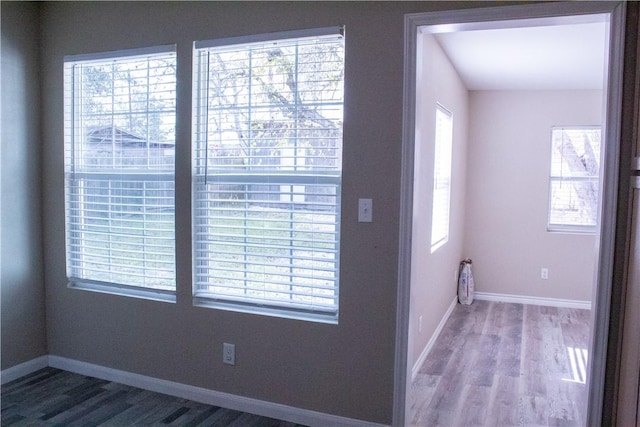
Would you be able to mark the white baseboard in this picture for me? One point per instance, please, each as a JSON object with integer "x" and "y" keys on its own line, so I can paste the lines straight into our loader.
{"x": 432, "y": 340}
{"x": 206, "y": 396}
{"x": 23, "y": 369}
{"x": 520, "y": 299}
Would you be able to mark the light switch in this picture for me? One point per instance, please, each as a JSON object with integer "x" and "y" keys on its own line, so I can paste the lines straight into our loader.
{"x": 365, "y": 210}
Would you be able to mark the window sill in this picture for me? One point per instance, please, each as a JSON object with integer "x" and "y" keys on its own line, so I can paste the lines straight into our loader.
{"x": 148, "y": 294}
{"x": 571, "y": 230}
{"x": 318, "y": 317}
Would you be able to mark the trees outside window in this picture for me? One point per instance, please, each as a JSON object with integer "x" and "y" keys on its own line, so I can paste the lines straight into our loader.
{"x": 268, "y": 166}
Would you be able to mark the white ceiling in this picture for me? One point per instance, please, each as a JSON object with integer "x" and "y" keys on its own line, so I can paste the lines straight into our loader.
{"x": 570, "y": 56}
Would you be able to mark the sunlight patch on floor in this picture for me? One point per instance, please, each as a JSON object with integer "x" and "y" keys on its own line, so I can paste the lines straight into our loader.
{"x": 578, "y": 358}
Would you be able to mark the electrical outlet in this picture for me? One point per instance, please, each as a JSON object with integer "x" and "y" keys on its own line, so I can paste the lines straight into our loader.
{"x": 455, "y": 275}
{"x": 229, "y": 353}
{"x": 420, "y": 324}
{"x": 544, "y": 273}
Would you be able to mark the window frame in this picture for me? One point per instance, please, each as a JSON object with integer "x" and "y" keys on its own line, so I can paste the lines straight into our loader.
{"x": 568, "y": 228}
{"x": 442, "y": 154}
{"x": 131, "y": 178}
{"x": 292, "y": 180}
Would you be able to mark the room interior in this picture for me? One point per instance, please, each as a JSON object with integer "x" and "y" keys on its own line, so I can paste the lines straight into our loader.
{"x": 503, "y": 145}
{"x": 504, "y": 106}
{"x": 323, "y": 372}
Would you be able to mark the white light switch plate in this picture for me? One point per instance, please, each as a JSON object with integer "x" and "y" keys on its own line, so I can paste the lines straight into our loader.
{"x": 365, "y": 210}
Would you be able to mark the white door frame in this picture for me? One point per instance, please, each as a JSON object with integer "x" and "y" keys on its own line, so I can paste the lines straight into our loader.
{"x": 499, "y": 17}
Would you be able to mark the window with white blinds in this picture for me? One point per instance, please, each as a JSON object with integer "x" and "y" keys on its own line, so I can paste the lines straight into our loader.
{"x": 268, "y": 117}
{"x": 119, "y": 169}
{"x": 575, "y": 179}
{"x": 441, "y": 178}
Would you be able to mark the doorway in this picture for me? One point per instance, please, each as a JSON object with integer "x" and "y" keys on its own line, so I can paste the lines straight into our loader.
{"x": 510, "y": 17}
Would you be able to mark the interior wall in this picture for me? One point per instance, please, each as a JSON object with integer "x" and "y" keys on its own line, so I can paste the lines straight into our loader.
{"x": 507, "y": 197}
{"x": 345, "y": 369}
{"x": 433, "y": 284}
{"x": 21, "y": 278}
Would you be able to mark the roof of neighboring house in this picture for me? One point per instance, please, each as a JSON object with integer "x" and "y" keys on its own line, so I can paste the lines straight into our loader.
{"x": 109, "y": 134}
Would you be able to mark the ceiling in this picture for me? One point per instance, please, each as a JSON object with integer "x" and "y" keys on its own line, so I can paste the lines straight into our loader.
{"x": 551, "y": 57}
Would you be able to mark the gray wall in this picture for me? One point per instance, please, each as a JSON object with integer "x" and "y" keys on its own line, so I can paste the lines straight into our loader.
{"x": 344, "y": 369}
{"x": 23, "y": 313}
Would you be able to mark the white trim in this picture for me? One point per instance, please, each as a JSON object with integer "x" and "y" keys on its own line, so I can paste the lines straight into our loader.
{"x": 26, "y": 368}
{"x": 124, "y": 53}
{"x": 337, "y": 31}
{"x": 523, "y": 299}
{"x": 499, "y": 17}
{"x": 403, "y": 291}
{"x": 122, "y": 290}
{"x": 609, "y": 235}
{"x": 206, "y": 396}
{"x": 432, "y": 340}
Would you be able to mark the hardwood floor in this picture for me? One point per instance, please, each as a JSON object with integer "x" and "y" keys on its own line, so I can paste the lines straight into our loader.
{"x": 51, "y": 397}
{"x": 502, "y": 364}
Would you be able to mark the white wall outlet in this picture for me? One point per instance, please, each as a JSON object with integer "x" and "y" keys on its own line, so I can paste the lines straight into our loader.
{"x": 420, "y": 324}
{"x": 455, "y": 275}
{"x": 544, "y": 273}
{"x": 365, "y": 210}
{"x": 229, "y": 353}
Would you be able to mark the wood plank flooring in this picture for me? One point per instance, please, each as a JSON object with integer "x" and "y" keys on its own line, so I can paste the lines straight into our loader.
{"x": 502, "y": 364}
{"x": 52, "y": 397}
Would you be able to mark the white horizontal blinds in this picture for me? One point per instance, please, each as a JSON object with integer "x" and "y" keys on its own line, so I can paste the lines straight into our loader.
{"x": 268, "y": 161}
{"x": 442, "y": 176}
{"x": 119, "y": 168}
{"x": 574, "y": 181}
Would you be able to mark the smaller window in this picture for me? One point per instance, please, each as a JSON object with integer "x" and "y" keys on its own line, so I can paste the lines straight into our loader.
{"x": 441, "y": 178}
{"x": 574, "y": 179}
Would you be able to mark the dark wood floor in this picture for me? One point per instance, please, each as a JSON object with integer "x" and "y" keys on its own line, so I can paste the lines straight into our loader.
{"x": 502, "y": 364}
{"x": 51, "y": 397}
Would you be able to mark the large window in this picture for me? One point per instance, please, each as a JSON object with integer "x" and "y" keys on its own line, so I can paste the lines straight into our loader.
{"x": 268, "y": 164}
{"x": 574, "y": 180}
{"x": 441, "y": 178}
{"x": 119, "y": 170}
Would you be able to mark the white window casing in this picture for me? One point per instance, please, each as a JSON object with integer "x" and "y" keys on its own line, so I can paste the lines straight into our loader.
{"x": 268, "y": 115}
{"x": 574, "y": 179}
{"x": 442, "y": 178}
{"x": 119, "y": 171}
